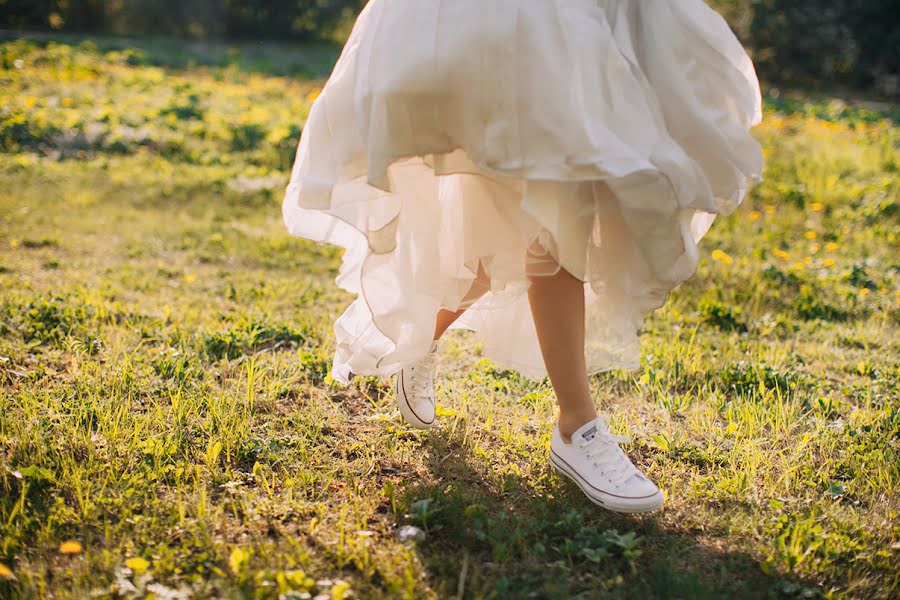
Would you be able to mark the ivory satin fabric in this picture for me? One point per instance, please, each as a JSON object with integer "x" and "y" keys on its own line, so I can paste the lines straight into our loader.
{"x": 604, "y": 135}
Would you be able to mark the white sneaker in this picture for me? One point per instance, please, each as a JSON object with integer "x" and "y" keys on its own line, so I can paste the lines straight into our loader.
{"x": 414, "y": 386}
{"x": 601, "y": 469}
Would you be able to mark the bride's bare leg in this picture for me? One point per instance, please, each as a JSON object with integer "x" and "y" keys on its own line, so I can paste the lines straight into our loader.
{"x": 557, "y": 306}
{"x": 445, "y": 317}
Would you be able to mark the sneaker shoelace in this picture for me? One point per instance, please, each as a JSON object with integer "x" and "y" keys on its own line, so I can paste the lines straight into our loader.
{"x": 604, "y": 453}
{"x": 421, "y": 372}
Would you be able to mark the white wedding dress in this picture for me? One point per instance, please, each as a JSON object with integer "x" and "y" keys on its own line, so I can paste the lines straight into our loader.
{"x": 453, "y": 132}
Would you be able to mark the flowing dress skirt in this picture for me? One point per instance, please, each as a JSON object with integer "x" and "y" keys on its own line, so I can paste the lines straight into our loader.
{"x": 458, "y": 134}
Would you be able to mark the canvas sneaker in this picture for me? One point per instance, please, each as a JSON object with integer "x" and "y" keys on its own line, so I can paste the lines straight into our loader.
{"x": 414, "y": 386}
{"x": 601, "y": 469}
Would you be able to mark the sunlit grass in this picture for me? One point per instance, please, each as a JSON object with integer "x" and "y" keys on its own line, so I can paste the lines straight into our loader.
{"x": 168, "y": 424}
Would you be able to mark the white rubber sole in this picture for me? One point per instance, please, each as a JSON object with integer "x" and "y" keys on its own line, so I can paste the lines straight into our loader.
{"x": 609, "y": 502}
{"x": 406, "y": 411}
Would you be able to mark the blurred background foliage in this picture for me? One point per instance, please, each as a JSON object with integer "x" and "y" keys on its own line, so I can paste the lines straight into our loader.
{"x": 847, "y": 43}
{"x": 300, "y": 20}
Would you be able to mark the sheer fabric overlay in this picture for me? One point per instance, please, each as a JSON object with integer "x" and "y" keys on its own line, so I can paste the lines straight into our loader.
{"x": 457, "y": 135}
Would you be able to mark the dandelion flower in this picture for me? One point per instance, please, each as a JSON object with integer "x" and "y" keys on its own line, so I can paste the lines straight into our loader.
{"x": 722, "y": 257}
{"x": 67, "y": 102}
{"x": 138, "y": 564}
{"x": 70, "y": 547}
{"x": 864, "y": 292}
{"x": 831, "y": 247}
{"x": 807, "y": 260}
{"x": 816, "y": 206}
{"x": 828, "y": 262}
{"x": 798, "y": 265}
{"x": 444, "y": 411}
{"x": 810, "y": 235}
{"x": 6, "y": 572}
{"x": 781, "y": 254}
{"x": 769, "y": 209}
{"x": 755, "y": 215}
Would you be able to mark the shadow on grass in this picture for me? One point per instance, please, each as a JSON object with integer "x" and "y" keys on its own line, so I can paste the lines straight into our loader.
{"x": 312, "y": 60}
{"x": 512, "y": 537}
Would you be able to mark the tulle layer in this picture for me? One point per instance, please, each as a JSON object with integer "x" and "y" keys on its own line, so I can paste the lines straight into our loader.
{"x": 466, "y": 134}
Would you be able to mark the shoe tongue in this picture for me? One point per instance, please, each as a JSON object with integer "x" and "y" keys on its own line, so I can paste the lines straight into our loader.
{"x": 588, "y": 431}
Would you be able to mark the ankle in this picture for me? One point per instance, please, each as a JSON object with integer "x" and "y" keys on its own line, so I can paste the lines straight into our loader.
{"x": 570, "y": 421}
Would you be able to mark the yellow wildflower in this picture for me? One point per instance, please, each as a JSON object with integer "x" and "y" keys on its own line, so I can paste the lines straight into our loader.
{"x": 816, "y": 206}
{"x": 341, "y": 590}
{"x": 864, "y": 292}
{"x": 810, "y": 235}
{"x": 722, "y": 257}
{"x": 444, "y": 411}
{"x": 311, "y": 97}
{"x": 769, "y": 209}
{"x": 807, "y": 260}
{"x": 6, "y": 572}
{"x": 831, "y": 247}
{"x": 70, "y": 547}
{"x": 828, "y": 262}
{"x": 67, "y": 102}
{"x": 755, "y": 215}
{"x": 137, "y": 564}
{"x": 798, "y": 265}
{"x": 781, "y": 254}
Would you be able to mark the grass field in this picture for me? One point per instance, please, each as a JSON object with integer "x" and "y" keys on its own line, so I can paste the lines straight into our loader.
{"x": 168, "y": 427}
